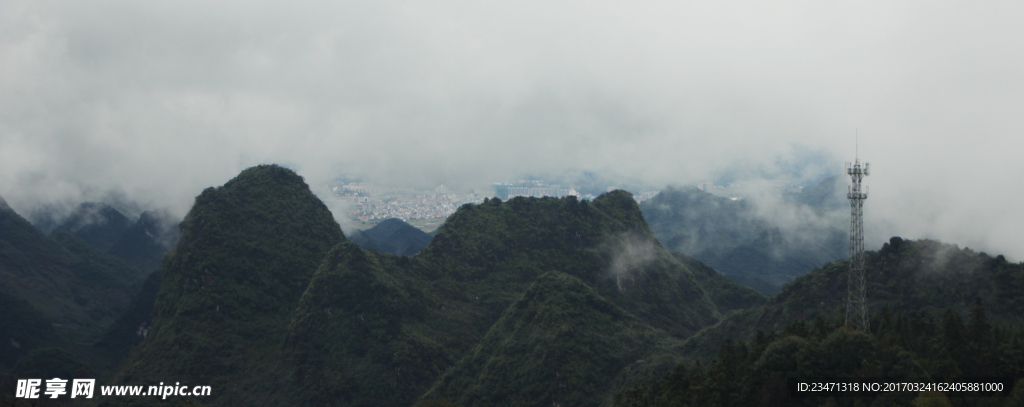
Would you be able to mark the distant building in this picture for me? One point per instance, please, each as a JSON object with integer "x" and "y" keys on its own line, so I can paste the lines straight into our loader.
{"x": 706, "y": 186}
{"x": 643, "y": 196}
{"x": 533, "y": 188}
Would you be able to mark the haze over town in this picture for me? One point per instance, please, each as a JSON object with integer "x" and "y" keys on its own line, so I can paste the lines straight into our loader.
{"x": 157, "y": 100}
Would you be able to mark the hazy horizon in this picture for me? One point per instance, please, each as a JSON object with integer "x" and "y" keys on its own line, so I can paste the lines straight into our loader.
{"x": 156, "y": 101}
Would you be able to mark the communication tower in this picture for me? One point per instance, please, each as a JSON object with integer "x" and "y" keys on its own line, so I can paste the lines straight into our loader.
{"x": 856, "y": 301}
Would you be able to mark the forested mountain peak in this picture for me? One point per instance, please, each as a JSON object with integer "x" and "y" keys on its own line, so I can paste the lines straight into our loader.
{"x": 574, "y": 340}
{"x": 78, "y": 287}
{"x": 921, "y": 277}
{"x": 96, "y": 223}
{"x": 246, "y": 253}
{"x": 938, "y": 312}
{"x": 759, "y": 244}
{"x": 392, "y": 236}
{"x": 145, "y": 242}
{"x": 241, "y": 307}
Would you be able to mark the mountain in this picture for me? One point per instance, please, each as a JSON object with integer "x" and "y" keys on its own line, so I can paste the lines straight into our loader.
{"x": 734, "y": 239}
{"x": 132, "y": 327}
{"x": 905, "y": 276}
{"x": 396, "y": 237}
{"x": 265, "y": 300}
{"x": 75, "y": 286}
{"x": 143, "y": 244}
{"x": 96, "y": 223}
{"x": 382, "y": 328}
{"x": 727, "y": 295}
{"x": 559, "y": 344}
{"x": 246, "y": 254}
{"x": 360, "y": 238}
{"x": 827, "y": 194}
{"x": 22, "y": 329}
{"x": 938, "y": 312}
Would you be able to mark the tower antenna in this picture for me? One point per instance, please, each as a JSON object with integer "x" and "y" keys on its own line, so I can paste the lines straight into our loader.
{"x": 856, "y": 302}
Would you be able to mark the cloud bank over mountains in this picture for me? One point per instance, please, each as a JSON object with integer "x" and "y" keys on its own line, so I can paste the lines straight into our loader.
{"x": 159, "y": 100}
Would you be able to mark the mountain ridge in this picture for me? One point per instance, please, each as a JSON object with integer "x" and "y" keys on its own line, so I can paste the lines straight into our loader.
{"x": 374, "y": 328}
{"x": 903, "y": 276}
{"x": 246, "y": 252}
{"x": 77, "y": 287}
{"x": 734, "y": 239}
{"x": 96, "y": 223}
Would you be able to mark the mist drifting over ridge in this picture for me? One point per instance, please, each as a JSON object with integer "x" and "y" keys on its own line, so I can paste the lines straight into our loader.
{"x": 159, "y": 100}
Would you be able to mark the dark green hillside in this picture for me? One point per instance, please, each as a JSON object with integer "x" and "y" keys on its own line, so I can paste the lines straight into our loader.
{"x": 726, "y": 295}
{"x": 606, "y": 243}
{"x": 101, "y": 268}
{"x": 397, "y": 237}
{"x": 382, "y": 328}
{"x": 366, "y": 333}
{"x": 247, "y": 252}
{"x": 360, "y": 238}
{"x": 378, "y": 329}
{"x": 134, "y": 324}
{"x": 733, "y": 239}
{"x": 264, "y": 300}
{"x": 22, "y": 328}
{"x": 904, "y": 276}
{"x": 143, "y": 245}
{"x": 902, "y": 347}
{"x": 560, "y": 344}
{"x": 77, "y": 287}
{"x": 937, "y": 311}
{"x": 96, "y": 223}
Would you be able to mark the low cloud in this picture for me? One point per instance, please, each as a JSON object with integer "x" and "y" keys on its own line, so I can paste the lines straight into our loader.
{"x": 159, "y": 100}
{"x": 629, "y": 253}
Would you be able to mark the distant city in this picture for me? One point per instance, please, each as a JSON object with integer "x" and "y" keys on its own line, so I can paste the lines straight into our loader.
{"x": 370, "y": 204}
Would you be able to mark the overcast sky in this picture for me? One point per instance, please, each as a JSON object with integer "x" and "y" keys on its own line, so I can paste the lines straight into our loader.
{"x": 160, "y": 99}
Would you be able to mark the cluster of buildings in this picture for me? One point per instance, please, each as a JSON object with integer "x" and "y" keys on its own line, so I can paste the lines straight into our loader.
{"x": 535, "y": 189}
{"x": 369, "y": 203}
{"x": 643, "y": 196}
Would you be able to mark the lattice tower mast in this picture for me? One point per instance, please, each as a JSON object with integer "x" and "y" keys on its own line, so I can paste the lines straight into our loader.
{"x": 856, "y": 301}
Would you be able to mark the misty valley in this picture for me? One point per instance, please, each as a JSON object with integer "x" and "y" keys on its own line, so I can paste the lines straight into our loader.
{"x": 677, "y": 298}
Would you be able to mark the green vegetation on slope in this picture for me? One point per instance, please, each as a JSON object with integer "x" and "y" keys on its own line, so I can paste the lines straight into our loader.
{"x": 904, "y": 276}
{"x": 378, "y": 329}
{"x": 96, "y": 223}
{"x": 731, "y": 236}
{"x": 912, "y": 346}
{"x": 241, "y": 308}
{"x": 143, "y": 245}
{"x": 727, "y": 295}
{"x": 606, "y": 243}
{"x": 134, "y": 324}
{"x": 247, "y": 252}
{"x": 23, "y": 328}
{"x": 920, "y": 294}
{"x": 366, "y": 334}
{"x": 77, "y": 287}
{"x": 396, "y": 237}
{"x": 560, "y": 344}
